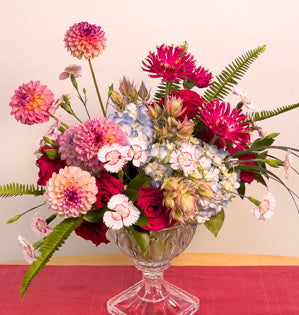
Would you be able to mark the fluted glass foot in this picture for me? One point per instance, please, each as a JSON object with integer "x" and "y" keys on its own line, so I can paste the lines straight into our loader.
{"x": 165, "y": 300}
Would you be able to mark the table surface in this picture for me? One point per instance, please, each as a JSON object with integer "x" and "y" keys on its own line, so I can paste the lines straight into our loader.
{"x": 185, "y": 259}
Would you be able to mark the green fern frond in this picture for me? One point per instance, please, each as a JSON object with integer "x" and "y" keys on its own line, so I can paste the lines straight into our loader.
{"x": 51, "y": 243}
{"x": 15, "y": 189}
{"x": 161, "y": 90}
{"x": 228, "y": 78}
{"x": 257, "y": 116}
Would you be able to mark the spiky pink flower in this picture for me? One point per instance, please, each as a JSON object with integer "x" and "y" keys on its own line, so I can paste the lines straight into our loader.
{"x": 27, "y": 250}
{"x": 84, "y": 39}
{"x": 39, "y": 225}
{"x": 266, "y": 209}
{"x": 71, "y": 192}
{"x": 229, "y": 125}
{"x": 94, "y": 134}
{"x": 170, "y": 63}
{"x": 201, "y": 77}
{"x": 31, "y": 102}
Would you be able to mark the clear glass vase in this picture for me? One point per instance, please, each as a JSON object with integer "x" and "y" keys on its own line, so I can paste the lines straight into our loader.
{"x": 154, "y": 295}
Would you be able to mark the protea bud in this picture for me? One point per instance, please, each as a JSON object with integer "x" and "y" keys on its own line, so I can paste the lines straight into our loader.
{"x": 174, "y": 107}
{"x": 185, "y": 129}
{"x": 143, "y": 92}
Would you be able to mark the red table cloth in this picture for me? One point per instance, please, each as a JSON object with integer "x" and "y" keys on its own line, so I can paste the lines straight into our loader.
{"x": 74, "y": 290}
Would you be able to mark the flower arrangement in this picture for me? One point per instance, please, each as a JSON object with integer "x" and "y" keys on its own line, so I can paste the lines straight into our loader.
{"x": 153, "y": 162}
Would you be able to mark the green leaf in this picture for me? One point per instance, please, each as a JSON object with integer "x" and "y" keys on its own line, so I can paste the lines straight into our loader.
{"x": 131, "y": 193}
{"x": 142, "y": 220}
{"x": 241, "y": 189}
{"x": 215, "y": 223}
{"x": 231, "y": 74}
{"x": 257, "y": 116}
{"x": 140, "y": 180}
{"x": 267, "y": 141}
{"x": 260, "y": 179}
{"x": 95, "y": 215}
{"x": 141, "y": 236}
{"x": 50, "y": 244}
{"x": 15, "y": 189}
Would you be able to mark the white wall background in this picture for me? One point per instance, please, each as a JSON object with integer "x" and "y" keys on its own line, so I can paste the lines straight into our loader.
{"x": 32, "y": 48}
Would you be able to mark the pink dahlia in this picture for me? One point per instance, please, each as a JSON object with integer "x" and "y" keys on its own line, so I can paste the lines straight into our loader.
{"x": 31, "y": 103}
{"x": 84, "y": 39}
{"x": 67, "y": 148}
{"x": 170, "y": 63}
{"x": 92, "y": 135}
{"x": 71, "y": 192}
{"x": 229, "y": 125}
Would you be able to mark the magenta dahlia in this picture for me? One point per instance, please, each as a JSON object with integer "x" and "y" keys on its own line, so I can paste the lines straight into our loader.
{"x": 170, "y": 63}
{"x": 84, "y": 39}
{"x": 229, "y": 126}
{"x": 31, "y": 103}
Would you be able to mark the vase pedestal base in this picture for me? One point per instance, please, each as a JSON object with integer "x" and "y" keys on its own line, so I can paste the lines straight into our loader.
{"x": 145, "y": 299}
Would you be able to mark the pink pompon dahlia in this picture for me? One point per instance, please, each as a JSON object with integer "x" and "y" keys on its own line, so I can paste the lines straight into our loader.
{"x": 31, "y": 103}
{"x": 84, "y": 39}
{"x": 170, "y": 63}
{"x": 231, "y": 126}
{"x": 71, "y": 192}
{"x": 94, "y": 134}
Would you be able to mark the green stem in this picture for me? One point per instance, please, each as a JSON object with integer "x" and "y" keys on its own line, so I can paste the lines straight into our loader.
{"x": 167, "y": 90}
{"x": 96, "y": 86}
{"x": 214, "y": 139}
{"x": 62, "y": 123}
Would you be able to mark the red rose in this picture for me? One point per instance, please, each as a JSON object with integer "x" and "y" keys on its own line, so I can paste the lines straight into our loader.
{"x": 107, "y": 187}
{"x": 246, "y": 176}
{"x": 150, "y": 201}
{"x": 95, "y": 232}
{"x": 192, "y": 103}
{"x": 47, "y": 167}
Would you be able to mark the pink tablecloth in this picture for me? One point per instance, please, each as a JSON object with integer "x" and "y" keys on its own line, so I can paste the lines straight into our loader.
{"x": 74, "y": 290}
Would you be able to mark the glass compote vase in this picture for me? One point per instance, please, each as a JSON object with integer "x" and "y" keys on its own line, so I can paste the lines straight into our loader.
{"x": 154, "y": 295}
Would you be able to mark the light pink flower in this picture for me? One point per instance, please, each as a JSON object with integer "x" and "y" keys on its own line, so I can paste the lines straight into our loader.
{"x": 124, "y": 214}
{"x": 137, "y": 153}
{"x": 266, "y": 209}
{"x": 39, "y": 225}
{"x": 85, "y": 40}
{"x": 31, "y": 102}
{"x": 71, "y": 192}
{"x": 27, "y": 250}
{"x": 184, "y": 158}
{"x": 114, "y": 157}
{"x": 71, "y": 69}
{"x": 244, "y": 99}
{"x": 287, "y": 163}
